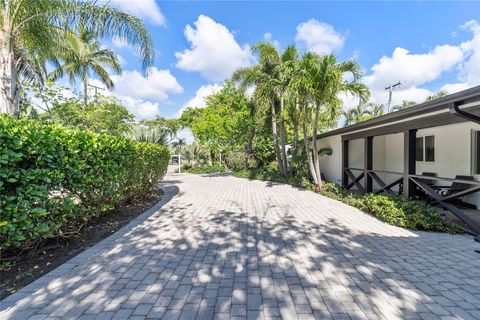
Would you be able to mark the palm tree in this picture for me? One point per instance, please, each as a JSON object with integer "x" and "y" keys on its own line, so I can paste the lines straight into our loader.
{"x": 404, "y": 105}
{"x": 141, "y": 133}
{"x": 270, "y": 77}
{"x": 437, "y": 95}
{"x": 376, "y": 109}
{"x": 31, "y": 31}
{"x": 83, "y": 55}
{"x": 357, "y": 114}
{"x": 179, "y": 144}
{"x": 324, "y": 80}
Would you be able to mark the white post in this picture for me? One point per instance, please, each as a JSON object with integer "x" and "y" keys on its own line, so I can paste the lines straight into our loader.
{"x": 179, "y": 164}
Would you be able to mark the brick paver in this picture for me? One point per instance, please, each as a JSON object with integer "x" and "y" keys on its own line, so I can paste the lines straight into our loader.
{"x": 219, "y": 247}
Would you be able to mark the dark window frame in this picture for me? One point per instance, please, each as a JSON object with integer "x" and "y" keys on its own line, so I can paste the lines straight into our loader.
{"x": 419, "y": 149}
{"x": 429, "y": 150}
{"x": 476, "y": 152}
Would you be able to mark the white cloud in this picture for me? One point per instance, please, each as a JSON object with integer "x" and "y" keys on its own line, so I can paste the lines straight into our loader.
{"x": 469, "y": 74}
{"x": 140, "y": 108}
{"x": 319, "y": 37}
{"x": 413, "y": 69}
{"x": 157, "y": 86}
{"x": 267, "y": 37}
{"x": 141, "y": 95}
{"x": 198, "y": 101}
{"x": 143, "y": 9}
{"x": 213, "y": 52}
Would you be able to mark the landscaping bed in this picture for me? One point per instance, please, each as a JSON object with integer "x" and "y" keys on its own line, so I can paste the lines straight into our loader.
{"x": 395, "y": 210}
{"x": 19, "y": 268}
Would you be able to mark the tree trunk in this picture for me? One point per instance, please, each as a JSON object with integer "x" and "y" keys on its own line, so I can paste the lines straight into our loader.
{"x": 9, "y": 91}
{"x": 282, "y": 136}
{"x": 275, "y": 139}
{"x": 307, "y": 147}
{"x": 316, "y": 163}
{"x": 85, "y": 92}
{"x": 295, "y": 137}
{"x": 248, "y": 150}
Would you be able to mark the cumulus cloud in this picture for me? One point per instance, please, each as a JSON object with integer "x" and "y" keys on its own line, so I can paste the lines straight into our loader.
{"x": 143, "y": 9}
{"x": 269, "y": 38}
{"x": 469, "y": 74}
{"x": 213, "y": 52}
{"x": 157, "y": 86}
{"x": 199, "y": 100}
{"x": 413, "y": 69}
{"x": 141, "y": 95}
{"x": 319, "y": 37}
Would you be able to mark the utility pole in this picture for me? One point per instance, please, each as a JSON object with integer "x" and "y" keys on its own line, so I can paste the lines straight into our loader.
{"x": 96, "y": 88}
{"x": 390, "y": 90}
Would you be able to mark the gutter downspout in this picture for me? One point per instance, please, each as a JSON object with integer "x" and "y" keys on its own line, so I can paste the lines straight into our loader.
{"x": 455, "y": 109}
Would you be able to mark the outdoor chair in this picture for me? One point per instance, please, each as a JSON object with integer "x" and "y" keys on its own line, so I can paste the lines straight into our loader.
{"x": 455, "y": 188}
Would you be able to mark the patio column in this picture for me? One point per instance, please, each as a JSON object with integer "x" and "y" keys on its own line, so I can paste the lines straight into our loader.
{"x": 409, "y": 161}
{"x": 344, "y": 163}
{"x": 368, "y": 164}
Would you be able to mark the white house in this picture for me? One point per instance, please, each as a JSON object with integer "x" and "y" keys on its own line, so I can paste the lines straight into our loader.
{"x": 430, "y": 150}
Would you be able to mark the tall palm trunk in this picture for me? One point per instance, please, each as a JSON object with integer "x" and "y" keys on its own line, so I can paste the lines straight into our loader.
{"x": 85, "y": 88}
{"x": 307, "y": 146}
{"x": 9, "y": 91}
{"x": 282, "y": 136}
{"x": 295, "y": 136}
{"x": 316, "y": 162}
{"x": 275, "y": 139}
{"x": 248, "y": 149}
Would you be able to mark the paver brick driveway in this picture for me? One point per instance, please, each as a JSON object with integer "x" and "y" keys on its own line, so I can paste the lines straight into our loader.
{"x": 222, "y": 247}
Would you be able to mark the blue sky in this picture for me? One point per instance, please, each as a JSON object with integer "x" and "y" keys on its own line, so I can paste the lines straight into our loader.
{"x": 427, "y": 46}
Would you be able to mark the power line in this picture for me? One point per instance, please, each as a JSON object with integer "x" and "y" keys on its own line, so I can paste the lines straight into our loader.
{"x": 390, "y": 90}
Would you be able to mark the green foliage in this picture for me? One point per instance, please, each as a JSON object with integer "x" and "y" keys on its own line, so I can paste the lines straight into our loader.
{"x": 52, "y": 179}
{"x": 225, "y": 122}
{"x": 263, "y": 149}
{"x": 104, "y": 115}
{"x": 395, "y": 210}
{"x": 207, "y": 169}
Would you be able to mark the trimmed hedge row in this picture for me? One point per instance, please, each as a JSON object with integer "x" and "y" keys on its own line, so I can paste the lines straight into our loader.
{"x": 53, "y": 179}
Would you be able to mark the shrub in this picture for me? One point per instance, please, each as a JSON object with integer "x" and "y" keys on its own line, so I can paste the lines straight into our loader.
{"x": 207, "y": 169}
{"x": 395, "y": 210}
{"x": 53, "y": 179}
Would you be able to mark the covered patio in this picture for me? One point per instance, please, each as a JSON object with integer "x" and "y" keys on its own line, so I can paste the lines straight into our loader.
{"x": 398, "y": 156}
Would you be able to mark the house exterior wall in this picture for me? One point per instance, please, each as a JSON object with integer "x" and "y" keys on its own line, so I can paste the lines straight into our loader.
{"x": 453, "y": 154}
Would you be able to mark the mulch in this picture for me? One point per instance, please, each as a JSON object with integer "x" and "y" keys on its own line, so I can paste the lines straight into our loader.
{"x": 18, "y": 269}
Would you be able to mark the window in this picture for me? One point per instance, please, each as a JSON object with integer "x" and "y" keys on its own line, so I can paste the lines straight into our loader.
{"x": 430, "y": 148}
{"x": 425, "y": 149}
{"x": 419, "y": 151}
{"x": 476, "y": 152}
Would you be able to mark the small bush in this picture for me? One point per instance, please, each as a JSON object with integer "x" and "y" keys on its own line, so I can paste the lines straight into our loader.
{"x": 395, "y": 210}
{"x": 52, "y": 179}
{"x": 207, "y": 169}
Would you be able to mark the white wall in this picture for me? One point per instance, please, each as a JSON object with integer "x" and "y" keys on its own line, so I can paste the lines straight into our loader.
{"x": 453, "y": 154}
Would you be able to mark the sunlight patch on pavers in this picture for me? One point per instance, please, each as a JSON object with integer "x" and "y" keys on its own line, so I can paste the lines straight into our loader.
{"x": 222, "y": 247}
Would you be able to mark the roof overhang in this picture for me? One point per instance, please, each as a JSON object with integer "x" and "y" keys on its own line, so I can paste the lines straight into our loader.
{"x": 428, "y": 114}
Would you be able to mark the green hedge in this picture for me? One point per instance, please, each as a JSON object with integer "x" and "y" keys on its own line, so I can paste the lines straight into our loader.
{"x": 205, "y": 169}
{"x": 52, "y": 179}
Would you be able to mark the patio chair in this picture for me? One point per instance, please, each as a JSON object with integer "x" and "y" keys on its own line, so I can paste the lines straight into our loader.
{"x": 457, "y": 187}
